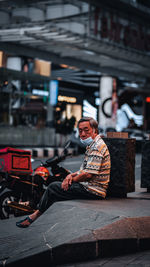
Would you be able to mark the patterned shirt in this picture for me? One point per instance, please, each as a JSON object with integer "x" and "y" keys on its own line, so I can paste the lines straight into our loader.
{"x": 97, "y": 162}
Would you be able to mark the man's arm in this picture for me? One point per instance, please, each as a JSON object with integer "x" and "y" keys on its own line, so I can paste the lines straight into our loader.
{"x": 75, "y": 177}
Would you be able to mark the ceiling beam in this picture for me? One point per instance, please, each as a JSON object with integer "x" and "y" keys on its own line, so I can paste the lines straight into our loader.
{"x": 21, "y": 50}
{"x": 8, "y": 74}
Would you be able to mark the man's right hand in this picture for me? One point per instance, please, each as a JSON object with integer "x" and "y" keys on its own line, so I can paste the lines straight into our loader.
{"x": 67, "y": 182}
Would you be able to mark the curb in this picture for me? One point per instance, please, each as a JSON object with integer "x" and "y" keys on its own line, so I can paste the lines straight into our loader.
{"x": 128, "y": 235}
{"x": 49, "y": 152}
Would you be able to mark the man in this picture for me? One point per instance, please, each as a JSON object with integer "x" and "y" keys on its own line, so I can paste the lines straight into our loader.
{"x": 90, "y": 182}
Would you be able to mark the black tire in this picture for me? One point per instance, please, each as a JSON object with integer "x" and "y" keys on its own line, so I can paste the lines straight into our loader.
{"x": 5, "y": 211}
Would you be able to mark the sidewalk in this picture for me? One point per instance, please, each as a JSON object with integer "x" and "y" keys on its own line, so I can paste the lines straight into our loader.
{"x": 81, "y": 230}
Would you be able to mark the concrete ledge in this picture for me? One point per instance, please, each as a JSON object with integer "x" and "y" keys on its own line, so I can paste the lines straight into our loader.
{"x": 73, "y": 231}
{"x": 121, "y": 237}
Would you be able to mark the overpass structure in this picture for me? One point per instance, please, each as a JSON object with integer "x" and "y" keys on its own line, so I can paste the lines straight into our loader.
{"x": 86, "y": 41}
{"x": 99, "y": 37}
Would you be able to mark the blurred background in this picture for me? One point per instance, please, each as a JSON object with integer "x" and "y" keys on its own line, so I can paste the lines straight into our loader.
{"x": 63, "y": 59}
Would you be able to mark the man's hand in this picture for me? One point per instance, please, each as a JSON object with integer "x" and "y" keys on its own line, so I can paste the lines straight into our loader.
{"x": 66, "y": 182}
{"x": 75, "y": 177}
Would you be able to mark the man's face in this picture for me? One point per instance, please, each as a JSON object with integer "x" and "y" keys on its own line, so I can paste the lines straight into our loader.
{"x": 85, "y": 130}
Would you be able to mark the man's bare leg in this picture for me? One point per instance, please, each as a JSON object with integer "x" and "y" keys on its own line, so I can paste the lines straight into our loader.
{"x": 35, "y": 215}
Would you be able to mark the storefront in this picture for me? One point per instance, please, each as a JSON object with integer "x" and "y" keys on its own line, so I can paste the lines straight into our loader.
{"x": 68, "y": 108}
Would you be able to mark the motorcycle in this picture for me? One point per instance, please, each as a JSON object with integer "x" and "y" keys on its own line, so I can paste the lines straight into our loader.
{"x": 20, "y": 194}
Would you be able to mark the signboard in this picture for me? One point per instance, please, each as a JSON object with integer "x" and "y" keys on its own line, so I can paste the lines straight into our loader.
{"x": 53, "y": 92}
{"x": 67, "y": 99}
{"x": 117, "y": 29}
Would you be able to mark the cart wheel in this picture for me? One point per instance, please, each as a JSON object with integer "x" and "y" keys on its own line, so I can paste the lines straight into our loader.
{"x": 5, "y": 211}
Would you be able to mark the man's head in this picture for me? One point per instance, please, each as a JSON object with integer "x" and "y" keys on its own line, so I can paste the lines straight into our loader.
{"x": 88, "y": 127}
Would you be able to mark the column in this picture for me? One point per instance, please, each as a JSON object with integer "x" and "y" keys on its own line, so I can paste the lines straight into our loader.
{"x": 108, "y": 103}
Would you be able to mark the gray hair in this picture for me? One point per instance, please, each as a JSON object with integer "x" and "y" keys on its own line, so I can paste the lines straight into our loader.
{"x": 93, "y": 123}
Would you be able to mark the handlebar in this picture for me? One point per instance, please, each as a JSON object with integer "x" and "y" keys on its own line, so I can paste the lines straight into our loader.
{"x": 54, "y": 161}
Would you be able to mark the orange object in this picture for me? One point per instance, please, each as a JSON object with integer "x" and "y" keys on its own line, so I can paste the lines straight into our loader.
{"x": 43, "y": 172}
{"x": 148, "y": 99}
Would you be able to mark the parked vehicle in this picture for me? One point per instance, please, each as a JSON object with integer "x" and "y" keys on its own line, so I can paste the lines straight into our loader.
{"x": 20, "y": 193}
{"x": 124, "y": 115}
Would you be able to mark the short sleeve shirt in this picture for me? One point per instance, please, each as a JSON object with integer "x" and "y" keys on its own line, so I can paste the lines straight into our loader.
{"x": 97, "y": 162}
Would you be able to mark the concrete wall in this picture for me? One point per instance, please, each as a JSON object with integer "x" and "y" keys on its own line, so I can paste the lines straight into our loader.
{"x": 25, "y": 136}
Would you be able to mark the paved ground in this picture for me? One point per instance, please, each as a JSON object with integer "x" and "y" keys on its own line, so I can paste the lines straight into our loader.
{"x": 95, "y": 233}
{"x": 79, "y": 230}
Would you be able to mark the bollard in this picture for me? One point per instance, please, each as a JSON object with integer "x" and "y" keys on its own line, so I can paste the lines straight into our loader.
{"x": 122, "y": 176}
{"x": 145, "y": 165}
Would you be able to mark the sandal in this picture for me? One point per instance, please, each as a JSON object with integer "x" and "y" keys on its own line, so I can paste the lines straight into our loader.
{"x": 21, "y": 223}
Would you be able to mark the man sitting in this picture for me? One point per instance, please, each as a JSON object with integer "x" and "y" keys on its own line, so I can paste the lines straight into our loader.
{"x": 90, "y": 182}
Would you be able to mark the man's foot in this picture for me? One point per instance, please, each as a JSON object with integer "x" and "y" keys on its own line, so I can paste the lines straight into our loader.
{"x": 25, "y": 203}
{"x": 24, "y": 223}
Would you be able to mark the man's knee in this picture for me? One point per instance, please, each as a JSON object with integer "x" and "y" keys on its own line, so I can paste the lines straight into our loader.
{"x": 54, "y": 185}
